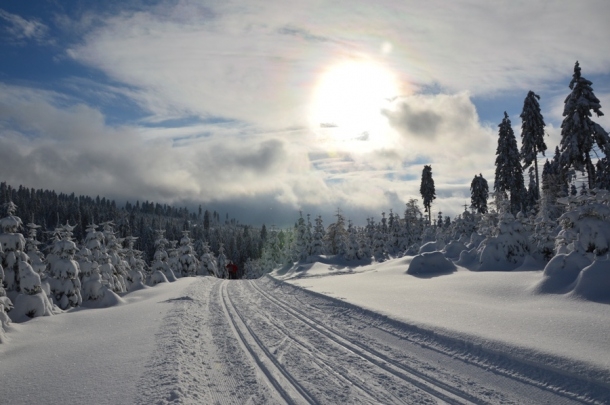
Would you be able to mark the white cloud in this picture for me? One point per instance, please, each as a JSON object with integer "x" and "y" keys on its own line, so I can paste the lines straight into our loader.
{"x": 247, "y": 70}
{"x": 20, "y": 29}
{"x": 49, "y": 141}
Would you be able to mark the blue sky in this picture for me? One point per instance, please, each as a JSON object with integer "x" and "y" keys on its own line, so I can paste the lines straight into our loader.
{"x": 262, "y": 109}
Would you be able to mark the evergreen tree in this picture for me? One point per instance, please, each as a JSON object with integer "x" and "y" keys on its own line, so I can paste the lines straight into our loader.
{"x": 413, "y": 226}
{"x": 301, "y": 247}
{"x": 479, "y": 192}
{"x": 427, "y": 190}
{"x": 317, "y": 245}
{"x": 532, "y": 133}
{"x": 578, "y": 132}
{"x": 509, "y": 174}
{"x": 353, "y": 251}
{"x": 603, "y": 173}
{"x": 208, "y": 262}
{"x": 336, "y": 236}
{"x": 532, "y": 191}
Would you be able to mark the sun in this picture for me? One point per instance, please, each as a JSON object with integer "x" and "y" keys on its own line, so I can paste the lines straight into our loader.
{"x": 348, "y": 99}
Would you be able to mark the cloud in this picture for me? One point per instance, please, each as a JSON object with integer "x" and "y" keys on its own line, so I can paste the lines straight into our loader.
{"x": 20, "y": 30}
{"x": 420, "y": 123}
{"x": 227, "y": 87}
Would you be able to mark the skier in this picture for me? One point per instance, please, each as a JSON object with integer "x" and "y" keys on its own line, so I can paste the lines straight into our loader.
{"x": 232, "y": 269}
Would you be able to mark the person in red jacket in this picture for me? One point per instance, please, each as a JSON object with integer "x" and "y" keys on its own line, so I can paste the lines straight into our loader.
{"x": 232, "y": 270}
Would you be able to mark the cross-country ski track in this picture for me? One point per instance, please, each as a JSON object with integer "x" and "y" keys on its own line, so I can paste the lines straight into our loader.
{"x": 214, "y": 341}
{"x": 270, "y": 342}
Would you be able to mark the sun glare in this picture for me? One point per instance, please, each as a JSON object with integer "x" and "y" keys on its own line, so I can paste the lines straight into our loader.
{"x": 348, "y": 99}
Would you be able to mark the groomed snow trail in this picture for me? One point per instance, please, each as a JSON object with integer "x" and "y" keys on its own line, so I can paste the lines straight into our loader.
{"x": 265, "y": 342}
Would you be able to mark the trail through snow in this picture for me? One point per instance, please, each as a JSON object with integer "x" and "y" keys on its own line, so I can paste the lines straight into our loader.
{"x": 210, "y": 341}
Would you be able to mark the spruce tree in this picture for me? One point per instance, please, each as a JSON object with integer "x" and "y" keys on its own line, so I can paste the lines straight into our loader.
{"x": 427, "y": 190}
{"x": 603, "y": 174}
{"x": 479, "y": 192}
{"x": 509, "y": 174}
{"x": 532, "y": 133}
{"x": 578, "y": 132}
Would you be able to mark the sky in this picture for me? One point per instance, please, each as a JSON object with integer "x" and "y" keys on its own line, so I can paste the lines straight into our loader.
{"x": 262, "y": 109}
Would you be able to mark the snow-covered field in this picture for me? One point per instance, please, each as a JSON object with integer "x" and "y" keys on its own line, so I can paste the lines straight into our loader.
{"x": 374, "y": 335}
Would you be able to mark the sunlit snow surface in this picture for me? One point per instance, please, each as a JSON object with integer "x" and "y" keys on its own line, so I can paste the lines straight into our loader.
{"x": 457, "y": 337}
{"x": 498, "y": 306}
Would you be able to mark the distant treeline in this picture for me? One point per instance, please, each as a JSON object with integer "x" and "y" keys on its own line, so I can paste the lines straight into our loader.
{"x": 49, "y": 209}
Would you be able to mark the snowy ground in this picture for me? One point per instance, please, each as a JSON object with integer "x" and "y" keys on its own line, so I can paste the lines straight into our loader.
{"x": 458, "y": 338}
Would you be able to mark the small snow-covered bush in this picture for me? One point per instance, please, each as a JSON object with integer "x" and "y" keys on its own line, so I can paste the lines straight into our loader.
{"x": 453, "y": 249}
{"x": 506, "y": 247}
{"x": 430, "y": 263}
{"x": 581, "y": 264}
{"x": 561, "y": 272}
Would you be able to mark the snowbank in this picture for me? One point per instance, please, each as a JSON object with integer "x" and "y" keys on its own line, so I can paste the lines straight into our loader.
{"x": 430, "y": 263}
{"x": 496, "y": 309}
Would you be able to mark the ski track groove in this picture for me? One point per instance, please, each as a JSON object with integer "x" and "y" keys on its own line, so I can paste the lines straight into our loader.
{"x": 515, "y": 375}
{"x": 322, "y": 365}
{"x": 241, "y": 330}
{"x": 433, "y": 387}
{"x": 227, "y": 344}
{"x": 194, "y": 362}
{"x": 382, "y": 396}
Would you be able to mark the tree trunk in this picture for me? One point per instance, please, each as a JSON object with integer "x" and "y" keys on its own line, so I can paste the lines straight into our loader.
{"x": 590, "y": 171}
{"x": 536, "y": 169}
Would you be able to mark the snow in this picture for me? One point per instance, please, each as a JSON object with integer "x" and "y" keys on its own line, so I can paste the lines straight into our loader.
{"x": 301, "y": 337}
{"x": 86, "y": 355}
{"x": 503, "y": 309}
{"x": 430, "y": 263}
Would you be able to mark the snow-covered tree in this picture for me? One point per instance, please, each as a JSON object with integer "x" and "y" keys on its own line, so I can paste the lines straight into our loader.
{"x": 579, "y": 133}
{"x": 509, "y": 174}
{"x": 507, "y": 245}
{"x": 13, "y": 246}
{"x": 160, "y": 271}
{"x": 187, "y": 258}
{"x": 64, "y": 272}
{"x": 31, "y": 249}
{"x": 542, "y": 239}
{"x": 336, "y": 236}
{"x": 5, "y": 304}
{"x": 32, "y": 301}
{"x": 532, "y": 134}
{"x": 301, "y": 247}
{"x": 532, "y": 195}
{"x": 427, "y": 190}
{"x": 317, "y": 244}
{"x": 479, "y": 192}
{"x": 208, "y": 262}
{"x": 173, "y": 259}
{"x": 135, "y": 268}
{"x": 353, "y": 251}
{"x": 396, "y": 243}
{"x": 379, "y": 252}
{"x": 223, "y": 261}
{"x": 603, "y": 173}
{"x": 413, "y": 227}
{"x": 586, "y": 224}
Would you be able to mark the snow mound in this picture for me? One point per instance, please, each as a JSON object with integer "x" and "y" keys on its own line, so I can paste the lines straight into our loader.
{"x": 31, "y": 306}
{"x": 453, "y": 249}
{"x": 109, "y": 299}
{"x": 561, "y": 272}
{"x": 430, "y": 247}
{"x": 431, "y": 263}
{"x": 593, "y": 282}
